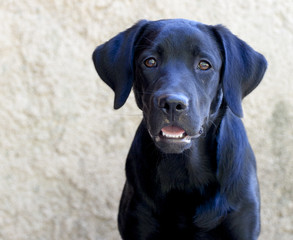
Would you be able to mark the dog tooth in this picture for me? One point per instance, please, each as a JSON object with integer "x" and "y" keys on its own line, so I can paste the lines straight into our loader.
{"x": 172, "y": 136}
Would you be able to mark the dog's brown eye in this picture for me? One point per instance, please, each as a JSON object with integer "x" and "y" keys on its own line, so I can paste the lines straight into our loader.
{"x": 150, "y": 62}
{"x": 203, "y": 65}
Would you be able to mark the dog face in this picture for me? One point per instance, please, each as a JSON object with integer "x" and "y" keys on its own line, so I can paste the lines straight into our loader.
{"x": 177, "y": 76}
{"x": 181, "y": 71}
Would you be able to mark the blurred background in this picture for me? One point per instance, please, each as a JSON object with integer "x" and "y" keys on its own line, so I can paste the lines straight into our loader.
{"x": 63, "y": 147}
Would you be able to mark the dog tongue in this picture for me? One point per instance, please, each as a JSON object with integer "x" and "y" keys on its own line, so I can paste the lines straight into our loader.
{"x": 172, "y": 130}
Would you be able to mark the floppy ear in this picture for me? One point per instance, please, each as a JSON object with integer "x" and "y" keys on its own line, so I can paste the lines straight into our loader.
{"x": 113, "y": 62}
{"x": 243, "y": 68}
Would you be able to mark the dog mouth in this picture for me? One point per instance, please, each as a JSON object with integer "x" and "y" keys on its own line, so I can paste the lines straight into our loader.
{"x": 174, "y": 139}
{"x": 175, "y": 134}
{"x": 172, "y": 132}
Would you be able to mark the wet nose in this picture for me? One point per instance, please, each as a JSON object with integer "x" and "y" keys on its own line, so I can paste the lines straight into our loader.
{"x": 173, "y": 103}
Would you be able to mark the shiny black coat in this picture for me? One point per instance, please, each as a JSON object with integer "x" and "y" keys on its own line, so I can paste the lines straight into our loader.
{"x": 192, "y": 76}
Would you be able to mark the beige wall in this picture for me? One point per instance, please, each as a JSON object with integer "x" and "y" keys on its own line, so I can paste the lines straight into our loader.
{"x": 62, "y": 147}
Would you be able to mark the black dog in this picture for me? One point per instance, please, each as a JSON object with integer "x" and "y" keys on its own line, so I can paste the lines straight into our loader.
{"x": 191, "y": 173}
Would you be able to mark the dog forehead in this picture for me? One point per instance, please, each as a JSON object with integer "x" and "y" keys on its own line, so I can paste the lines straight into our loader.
{"x": 185, "y": 27}
{"x": 178, "y": 34}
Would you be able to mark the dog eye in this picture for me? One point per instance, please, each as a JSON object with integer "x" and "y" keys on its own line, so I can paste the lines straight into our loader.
{"x": 204, "y": 65}
{"x": 150, "y": 62}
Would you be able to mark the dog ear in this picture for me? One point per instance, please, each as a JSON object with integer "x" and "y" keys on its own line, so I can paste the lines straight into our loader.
{"x": 242, "y": 70}
{"x": 113, "y": 62}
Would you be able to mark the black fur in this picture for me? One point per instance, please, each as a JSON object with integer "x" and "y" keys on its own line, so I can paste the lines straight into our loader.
{"x": 204, "y": 185}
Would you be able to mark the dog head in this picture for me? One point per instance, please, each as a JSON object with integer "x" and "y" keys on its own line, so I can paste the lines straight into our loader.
{"x": 181, "y": 71}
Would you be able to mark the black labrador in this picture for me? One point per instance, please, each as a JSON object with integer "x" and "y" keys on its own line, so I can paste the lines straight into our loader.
{"x": 191, "y": 173}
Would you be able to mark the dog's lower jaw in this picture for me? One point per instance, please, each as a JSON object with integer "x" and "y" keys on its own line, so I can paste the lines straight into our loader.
{"x": 173, "y": 146}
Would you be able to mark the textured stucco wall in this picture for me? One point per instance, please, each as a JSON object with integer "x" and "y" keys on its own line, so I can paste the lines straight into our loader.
{"x": 62, "y": 147}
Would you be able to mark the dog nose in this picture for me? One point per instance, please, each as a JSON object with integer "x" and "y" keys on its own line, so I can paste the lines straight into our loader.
{"x": 173, "y": 103}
